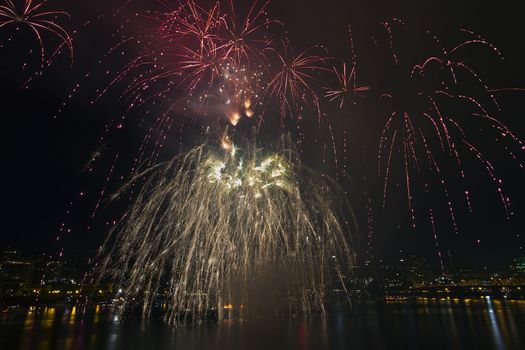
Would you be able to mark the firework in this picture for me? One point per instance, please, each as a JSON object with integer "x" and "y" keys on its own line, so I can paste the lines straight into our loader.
{"x": 291, "y": 83}
{"x": 207, "y": 228}
{"x": 211, "y": 226}
{"x": 245, "y": 39}
{"x": 430, "y": 117}
{"x": 33, "y": 15}
{"x": 224, "y": 61}
{"x": 347, "y": 90}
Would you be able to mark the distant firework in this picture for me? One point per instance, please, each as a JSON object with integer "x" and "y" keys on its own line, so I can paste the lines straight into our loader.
{"x": 33, "y": 15}
{"x": 218, "y": 230}
{"x": 434, "y": 114}
{"x": 440, "y": 115}
{"x": 291, "y": 82}
{"x": 347, "y": 92}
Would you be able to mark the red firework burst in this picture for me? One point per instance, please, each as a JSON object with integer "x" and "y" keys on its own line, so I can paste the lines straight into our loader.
{"x": 246, "y": 38}
{"x": 430, "y": 117}
{"x": 33, "y": 15}
{"x": 291, "y": 83}
{"x": 220, "y": 55}
{"x": 347, "y": 91}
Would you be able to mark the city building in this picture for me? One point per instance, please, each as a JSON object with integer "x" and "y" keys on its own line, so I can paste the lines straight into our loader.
{"x": 17, "y": 273}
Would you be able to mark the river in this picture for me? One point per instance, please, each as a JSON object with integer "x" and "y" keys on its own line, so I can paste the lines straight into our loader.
{"x": 418, "y": 323}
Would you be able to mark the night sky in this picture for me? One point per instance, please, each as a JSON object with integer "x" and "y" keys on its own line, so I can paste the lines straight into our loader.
{"x": 46, "y": 148}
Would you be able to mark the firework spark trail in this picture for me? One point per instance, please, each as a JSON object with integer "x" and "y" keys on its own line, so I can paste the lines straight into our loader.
{"x": 436, "y": 240}
{"x": 38, "y": 20}
{"x": 370, "y": 230}
{"x": 505, "y": 201}
{"x": 439, "y": 90}
{"x": 104, "y": 187}
{"x": 446, "y": 192}
{"x": 207, "y": 227}
{"x": 408, "y": 186}
{"x": 387, "y": 169}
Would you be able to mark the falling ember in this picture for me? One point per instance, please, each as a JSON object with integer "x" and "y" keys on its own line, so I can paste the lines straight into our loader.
{"x": 234, "y": 118}
{"x": 209, "y": 227}
{"x": 422, "y": 127}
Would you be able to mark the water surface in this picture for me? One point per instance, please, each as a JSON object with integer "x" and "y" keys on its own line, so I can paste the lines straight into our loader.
{"x": 396, "y": 324}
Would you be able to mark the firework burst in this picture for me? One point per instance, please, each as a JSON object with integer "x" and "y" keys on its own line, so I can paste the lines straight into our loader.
{"x": 222, "y": 59}
{"x": 347, "y": 90}
{"x": 245, "y": 39}
{"x": 33, "y": 15}
{"x": 291, "y": 83}
{"x": 207, "y": 228}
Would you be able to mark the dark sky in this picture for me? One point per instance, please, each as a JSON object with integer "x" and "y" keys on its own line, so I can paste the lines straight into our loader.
{"x": 43, "y": 157}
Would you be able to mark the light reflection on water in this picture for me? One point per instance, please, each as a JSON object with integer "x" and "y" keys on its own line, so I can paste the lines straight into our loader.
{"x": 422, "y": 323}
